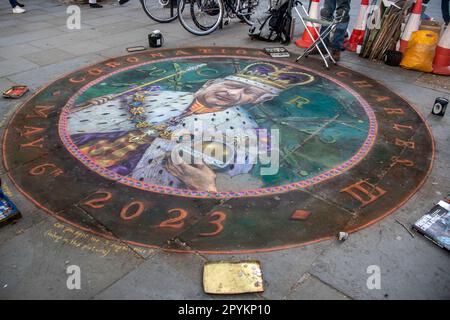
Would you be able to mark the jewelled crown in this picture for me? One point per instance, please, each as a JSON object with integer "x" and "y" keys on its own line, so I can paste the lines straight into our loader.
{"x": 270, "y": 77}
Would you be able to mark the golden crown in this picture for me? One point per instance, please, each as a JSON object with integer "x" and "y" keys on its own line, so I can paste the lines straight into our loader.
{"x": 274, "y": 76}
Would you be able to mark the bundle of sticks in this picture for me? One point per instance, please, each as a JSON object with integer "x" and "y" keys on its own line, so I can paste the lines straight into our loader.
{"x": 384, "y": 28}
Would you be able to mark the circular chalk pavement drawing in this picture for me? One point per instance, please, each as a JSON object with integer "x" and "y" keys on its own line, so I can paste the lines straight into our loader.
{"x": 216, "y": 150}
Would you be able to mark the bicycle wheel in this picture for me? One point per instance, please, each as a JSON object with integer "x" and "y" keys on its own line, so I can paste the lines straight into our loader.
{"x": 200, "y": 17}
{"x": 250, "y": 11}
{"x": 162, "y": 11}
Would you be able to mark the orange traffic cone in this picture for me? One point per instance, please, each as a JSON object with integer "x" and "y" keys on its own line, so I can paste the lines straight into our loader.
{"x": 411, "y": 26}
{"x": 357, "y": 36}
{"x": 305, "y": 41}
{"x": 441, "y": 63}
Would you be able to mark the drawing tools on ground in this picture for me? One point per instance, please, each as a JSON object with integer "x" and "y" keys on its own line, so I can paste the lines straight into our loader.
{"x": 15, "y": 92}
{"x": 435, "y": 225}
{"x": 8, "y": 211}
{"x": 136, "y": 49}
{"x": 277, "y": 52}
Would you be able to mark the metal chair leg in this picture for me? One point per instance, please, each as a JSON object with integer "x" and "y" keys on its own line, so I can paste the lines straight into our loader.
{"x": 320, "y": 39}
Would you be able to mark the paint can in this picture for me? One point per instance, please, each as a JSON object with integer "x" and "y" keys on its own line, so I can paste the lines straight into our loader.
{"x": 439, "y": 107}
{"x": 155, "y": 39}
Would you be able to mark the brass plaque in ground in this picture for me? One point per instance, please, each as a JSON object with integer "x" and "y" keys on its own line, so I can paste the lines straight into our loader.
{"x": 232, "y": 277}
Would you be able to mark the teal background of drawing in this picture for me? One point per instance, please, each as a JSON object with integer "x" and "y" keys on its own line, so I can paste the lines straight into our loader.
{"x": 323, "y": 132}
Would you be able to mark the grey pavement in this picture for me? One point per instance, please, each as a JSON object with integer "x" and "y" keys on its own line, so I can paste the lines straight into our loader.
{"x": 36, "y": 48}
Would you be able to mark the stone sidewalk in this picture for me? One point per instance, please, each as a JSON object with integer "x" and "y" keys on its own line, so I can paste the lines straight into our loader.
{"x": 36, "y": 48}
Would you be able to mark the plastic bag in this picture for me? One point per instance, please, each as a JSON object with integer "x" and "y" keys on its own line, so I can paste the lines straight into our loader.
{"x": 420, "y": 53}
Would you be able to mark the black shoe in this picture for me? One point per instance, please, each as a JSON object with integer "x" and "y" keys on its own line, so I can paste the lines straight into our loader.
{"x": 121, "y": 2}
{"x": 95, "y": 5}
{"x": 20, "y": 4}
{"x": 336, "y": 54}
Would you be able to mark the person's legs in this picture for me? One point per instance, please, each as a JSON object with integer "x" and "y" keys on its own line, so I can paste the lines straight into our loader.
{"x": 327, "y": 13}
{"x": 445, "y": 11}
{"x": 424, "y": 16}
{"x": 342, "y": 9}
{"x": 339, "y": 36}
{"x": 16, "y": 6}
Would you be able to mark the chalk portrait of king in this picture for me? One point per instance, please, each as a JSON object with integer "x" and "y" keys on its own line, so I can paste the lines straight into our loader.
{"x": 130, "y": 133}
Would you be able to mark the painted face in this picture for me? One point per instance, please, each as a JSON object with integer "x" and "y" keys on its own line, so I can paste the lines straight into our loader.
{"x": 228, "y": 93}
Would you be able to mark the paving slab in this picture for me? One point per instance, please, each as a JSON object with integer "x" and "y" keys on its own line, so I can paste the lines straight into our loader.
{"x": 34, "y": 264}
{"x": 50, "y": 56}
{"x": 8, "y": 32}
{"x": 15, "y": 65}
{"x": 112, "y": 52}
{"x": 114, "y": 8}
{"x": 66, "y": 37}
{"x": 7, "y": 22}
{"x": 27, "y": 37}
{"x": 411, "y": 268}
{"x": 57, "y": 9}
{"x": 379, "y": 70}
{"x": 163, "y": 276}
{"x": 36, "y": 15}
{"x": 43, "y": 4}
{"x": 105, "y": 20}
{"x": 40, "y": 25}
{"x": 311, "y": 288}
{"x": 122, "y": 38}
{"x": 38, "y": 77}
{"x": 81, "y": 48}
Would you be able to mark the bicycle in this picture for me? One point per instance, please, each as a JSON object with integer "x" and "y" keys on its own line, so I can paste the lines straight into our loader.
{"x": 202, "y": 17}
{"x": 162, "y": 11}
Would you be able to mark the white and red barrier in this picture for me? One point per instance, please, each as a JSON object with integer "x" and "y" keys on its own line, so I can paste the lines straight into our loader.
{"x": 441, "y": 62}
{"x": 306, "y": 40}
{"x": 357, "y": 35}
{"x": 412, "y": 25}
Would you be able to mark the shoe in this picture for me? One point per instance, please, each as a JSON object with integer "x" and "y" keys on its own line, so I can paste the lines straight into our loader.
{"x": 336, "y": 54}
{"x": 121, "y": 2}
{"x": 18, "y": 9}
{"x": 95, "y": 5}
{"x": 20, "y": 4}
